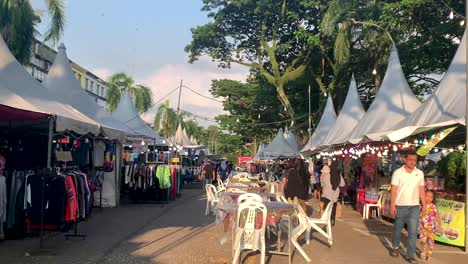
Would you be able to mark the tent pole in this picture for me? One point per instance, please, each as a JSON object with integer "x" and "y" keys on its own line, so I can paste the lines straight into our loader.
{"x": 49, "y": 141}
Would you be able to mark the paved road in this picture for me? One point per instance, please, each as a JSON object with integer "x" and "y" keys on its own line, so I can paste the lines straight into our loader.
{"x": 181, "y": 233}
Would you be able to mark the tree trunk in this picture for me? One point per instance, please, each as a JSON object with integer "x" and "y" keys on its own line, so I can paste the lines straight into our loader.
{"x": 284, "y": 99}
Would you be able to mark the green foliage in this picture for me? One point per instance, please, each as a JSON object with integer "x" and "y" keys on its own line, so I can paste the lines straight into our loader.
{"x": 274, "y": 38}
{"x": 166, "y": 120}
{"x": 17, "y": 24}
{"x": 359, "y": 31}
{"x": 453, "y": 168}
{"x": 118, "y": 83}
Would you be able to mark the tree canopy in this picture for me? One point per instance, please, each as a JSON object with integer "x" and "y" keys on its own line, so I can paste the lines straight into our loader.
{"x": 275, "y": 38}
{"x": 118, "y": 83}
{"x": 18, "y": 20}
{"x": 328, "y": 40}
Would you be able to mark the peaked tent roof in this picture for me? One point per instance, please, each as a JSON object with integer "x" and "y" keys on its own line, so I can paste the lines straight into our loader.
{"x": 349, "y": 117}
{"x": 393, "y": 102}
{"x": 181, "y": 138}
{"x": 127, "y": 114}
{"x": 327, "y": 121}
{"x": 279, "y": 146}
{"x": 259, "y": 155}
{"x": 60, "y": 81}
{"x": 446, "y": 106}
{"x": 18, "y": 89}
{"x": 187, "y": 141}
{"x": 291, "y": 139}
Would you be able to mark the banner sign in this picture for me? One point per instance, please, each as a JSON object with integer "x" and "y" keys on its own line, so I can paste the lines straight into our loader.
{"x": 452, "y": 218}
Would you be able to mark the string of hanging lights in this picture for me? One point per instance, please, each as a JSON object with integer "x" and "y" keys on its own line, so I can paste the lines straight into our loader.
{"x": 382, "y": 149}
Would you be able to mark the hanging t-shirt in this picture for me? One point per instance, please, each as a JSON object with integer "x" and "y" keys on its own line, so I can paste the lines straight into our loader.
{"x": 99, "y": 149}
{"x": 163, "y": 173}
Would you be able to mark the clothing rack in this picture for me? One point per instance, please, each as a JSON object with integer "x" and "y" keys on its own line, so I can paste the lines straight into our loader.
{"x": 43, "y": 174}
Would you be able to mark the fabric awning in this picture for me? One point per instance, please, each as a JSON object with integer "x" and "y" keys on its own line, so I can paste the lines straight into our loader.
{"x": 393, "y": 102}
{"x": 327, "y": 121}
{"x": 349, "y": 117}
{"x": 445, "y": 107}
{"x": 18, "y": 89}
{"x": 61, "y": 81}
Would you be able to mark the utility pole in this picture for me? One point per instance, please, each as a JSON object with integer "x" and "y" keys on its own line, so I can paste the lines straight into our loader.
{"x": 178, "y": 102}
{"x": 310, "y": 116}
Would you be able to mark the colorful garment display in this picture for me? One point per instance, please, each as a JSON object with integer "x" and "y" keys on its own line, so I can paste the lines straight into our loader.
{"x": 163, "y": 173}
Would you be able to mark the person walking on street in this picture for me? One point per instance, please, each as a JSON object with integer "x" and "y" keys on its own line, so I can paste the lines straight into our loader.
{"x": 331, "y": 180}
{"x": 429, "y": 222}
{"x": 293, "y": 183}
{"x": 407, "y": 191}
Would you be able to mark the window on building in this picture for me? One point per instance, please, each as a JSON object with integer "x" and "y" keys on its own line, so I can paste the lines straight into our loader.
{"x": 91, "y": 86}
{"x": 102, "y": 91}
{"x": 86, "y": 84}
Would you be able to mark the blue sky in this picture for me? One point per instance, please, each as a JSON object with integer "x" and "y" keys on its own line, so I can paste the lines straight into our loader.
{"x": 145, "y": 38}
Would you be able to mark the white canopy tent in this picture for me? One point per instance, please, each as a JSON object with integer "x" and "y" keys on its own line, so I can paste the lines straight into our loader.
{"x": 128, "y": 115}
{"x": 260, "y": 152}
{"x": 327, "y": 121}
{"x": 291, "y": 139}
{"x": 61, "y": 82}
{"x": 187, "y": 138}
{"x": 19, "y": 90}
{"x": 181, "y": 138}
{"x": 446, "y": 106}
{"x": 279, "y": 147}
{"x": 349, "y": 117}
{"x": 393, "y": 102}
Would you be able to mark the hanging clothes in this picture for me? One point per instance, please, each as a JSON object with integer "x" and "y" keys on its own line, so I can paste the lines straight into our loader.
{"x": 163, "y": 173}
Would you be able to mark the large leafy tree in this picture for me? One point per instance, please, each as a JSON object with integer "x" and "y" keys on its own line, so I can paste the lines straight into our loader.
{"x": 274, "y": 38}
{"x": 17, "y": 24}
{"x": 253, "y": 111}
{"x": 358, "y": 36}
{"x": 118, "y": 83}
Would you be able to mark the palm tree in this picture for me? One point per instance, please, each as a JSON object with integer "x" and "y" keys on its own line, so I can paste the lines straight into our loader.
{"x": 341, "y": 22}
{"x": 17, "y": 24}
{"x": 167, "y": 120}
{"x": 118, "y": 83}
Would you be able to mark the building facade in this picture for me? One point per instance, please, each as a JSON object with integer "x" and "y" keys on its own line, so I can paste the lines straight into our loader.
{"x": 42, "y": 58}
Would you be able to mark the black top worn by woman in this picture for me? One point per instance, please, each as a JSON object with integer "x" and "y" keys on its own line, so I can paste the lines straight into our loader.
{"x": 295, "y": 185}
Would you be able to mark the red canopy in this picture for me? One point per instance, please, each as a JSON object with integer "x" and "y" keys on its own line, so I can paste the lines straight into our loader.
{"x": 244, "y": 159}
{"x": 12, "y": 114}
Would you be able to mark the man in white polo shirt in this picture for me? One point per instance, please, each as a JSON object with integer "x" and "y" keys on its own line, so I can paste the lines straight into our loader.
{"x": 407, "y": 191}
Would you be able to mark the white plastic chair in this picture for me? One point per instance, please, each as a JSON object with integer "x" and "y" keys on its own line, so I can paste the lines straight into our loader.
{"x": 368, "y": 207}
{"x": 249, "y": 196}
{"x": 221, "y": 187}
{"x": 274, "y": 187}
{"x": 211, "y": 198}
{"x": 318, "y": 223}
{"x": 247, "y": 236}
{"x": 302, "y": 226}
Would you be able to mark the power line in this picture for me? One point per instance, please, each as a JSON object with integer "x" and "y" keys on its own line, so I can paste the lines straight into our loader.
{"x": 157, "y": 102}
{"x": 207, "y": 97}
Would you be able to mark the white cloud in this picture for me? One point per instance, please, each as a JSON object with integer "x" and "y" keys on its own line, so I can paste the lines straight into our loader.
{"x": 197, "y": 76}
